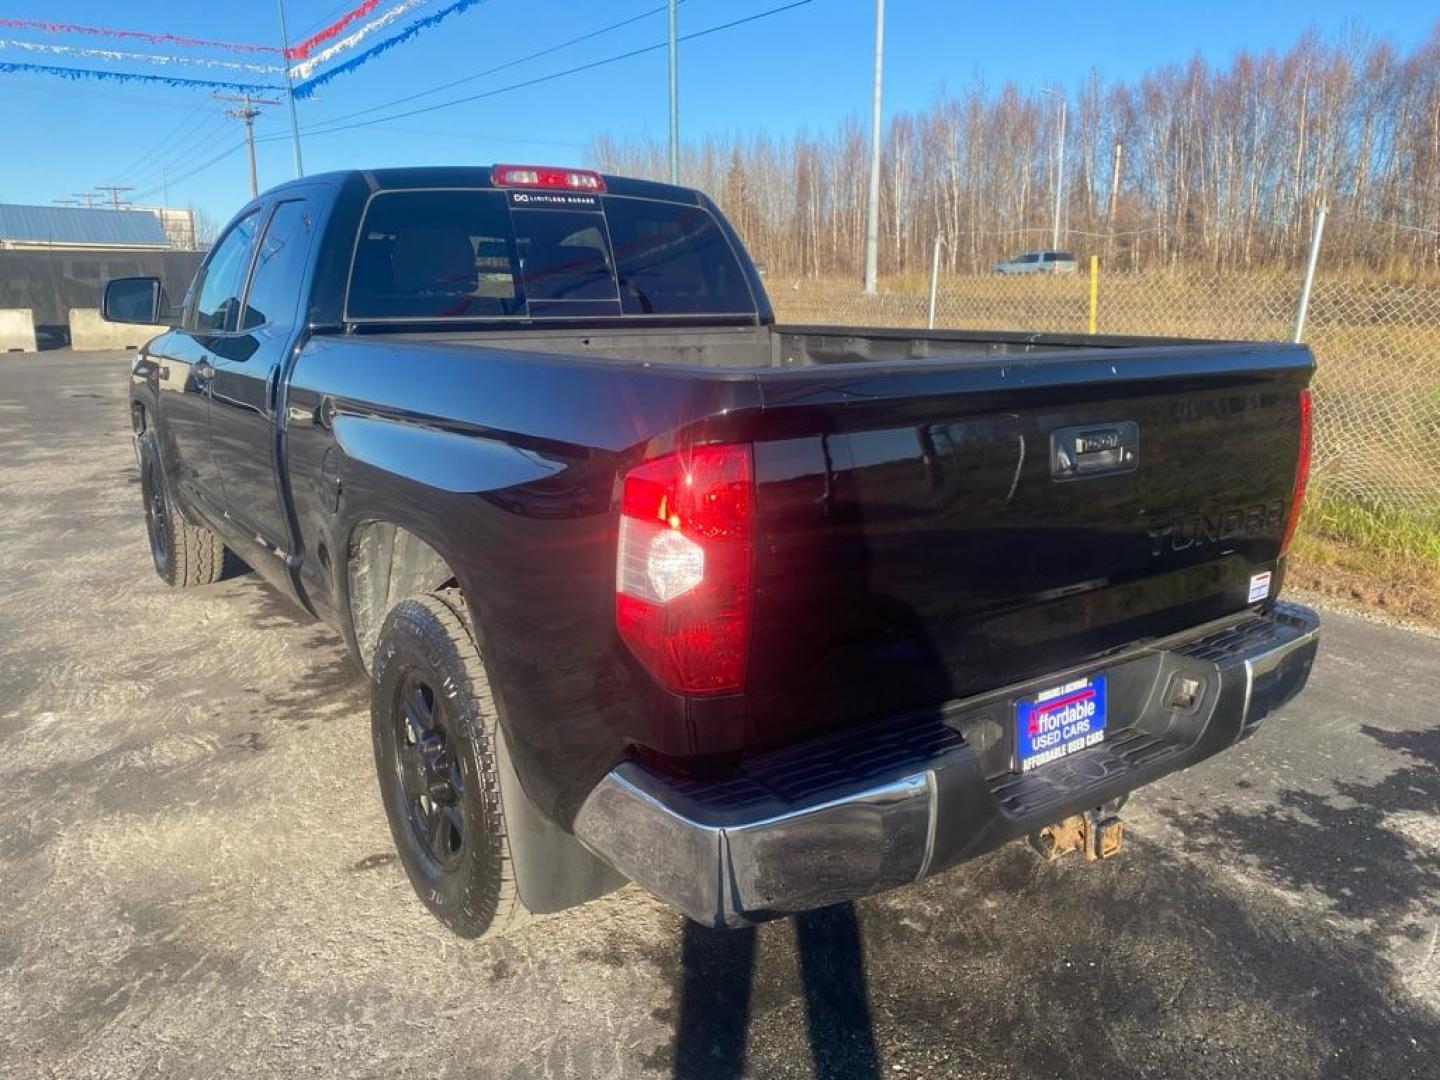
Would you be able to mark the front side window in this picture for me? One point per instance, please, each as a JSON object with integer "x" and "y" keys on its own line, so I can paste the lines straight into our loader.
{"x": 217, "y": 291}
{"x": 279, "y": 266}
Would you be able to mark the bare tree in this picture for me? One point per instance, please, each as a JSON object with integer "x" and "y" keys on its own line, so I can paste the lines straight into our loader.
{"x": 1185, "y": 166}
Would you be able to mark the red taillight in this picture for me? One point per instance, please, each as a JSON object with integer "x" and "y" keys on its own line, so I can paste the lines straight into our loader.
{"x": 1302, "y": 471}
{"x": 682, "y": 568}
{"x": 546, "y": 176}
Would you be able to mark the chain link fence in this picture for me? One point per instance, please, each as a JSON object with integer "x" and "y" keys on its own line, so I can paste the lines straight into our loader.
{"x": 1377, "y": 343}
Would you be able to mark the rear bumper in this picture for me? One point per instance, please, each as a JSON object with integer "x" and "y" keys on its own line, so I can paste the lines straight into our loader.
{"x": 870, "y": 809}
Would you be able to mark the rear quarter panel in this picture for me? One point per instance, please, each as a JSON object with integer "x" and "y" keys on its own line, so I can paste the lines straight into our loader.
{"x": 506, "y": 464}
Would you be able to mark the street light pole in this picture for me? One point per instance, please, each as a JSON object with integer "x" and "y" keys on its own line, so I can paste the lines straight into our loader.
{"x": 1059, "y": 171}
{"x": 290, "y": 88}
{"x": 674, "y": 92}
{"x": 872, "y": 216}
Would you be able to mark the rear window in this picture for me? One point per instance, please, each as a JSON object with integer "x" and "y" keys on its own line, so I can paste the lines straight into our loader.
{"x": 1059, "y": 256}
{"x": 497, "y": 254}
{"x": 674, "y": 259}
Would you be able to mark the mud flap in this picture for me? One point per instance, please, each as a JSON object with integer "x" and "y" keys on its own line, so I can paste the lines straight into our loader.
{"x": 553, "y": 871}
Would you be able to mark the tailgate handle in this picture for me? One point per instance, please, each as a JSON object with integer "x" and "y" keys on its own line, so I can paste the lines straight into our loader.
{"x": 1077, "y": 453}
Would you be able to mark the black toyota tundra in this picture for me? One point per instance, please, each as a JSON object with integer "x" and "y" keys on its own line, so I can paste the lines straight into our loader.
{"x": 652, "y": 588}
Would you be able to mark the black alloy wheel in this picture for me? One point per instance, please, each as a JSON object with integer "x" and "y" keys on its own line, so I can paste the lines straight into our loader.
{"x": 157, "y": 519}
{"x": 430, "y": 772}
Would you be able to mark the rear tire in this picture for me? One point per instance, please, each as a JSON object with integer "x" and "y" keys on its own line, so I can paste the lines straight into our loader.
{"x": 184, "y": 554}
{"x": 433, "y": 723}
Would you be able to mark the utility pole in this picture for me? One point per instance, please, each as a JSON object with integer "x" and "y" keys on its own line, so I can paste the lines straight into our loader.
{"x": 66, "y": 202}
{"x": 88, "y": 196}
{"x": 289, "y": 89}
{"x": 872, "y": 215}
{"x": 1059, "y": 169}
{"x": 247, "y": 112}
{"x": 674, "y": 92}
{"x": 114, "y": 193}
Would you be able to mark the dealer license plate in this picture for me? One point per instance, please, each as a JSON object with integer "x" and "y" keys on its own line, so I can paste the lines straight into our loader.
{"x": 1060, "y": 721}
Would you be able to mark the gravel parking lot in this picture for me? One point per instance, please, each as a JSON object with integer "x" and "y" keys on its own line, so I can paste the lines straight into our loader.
{"x": 197, "y": 877}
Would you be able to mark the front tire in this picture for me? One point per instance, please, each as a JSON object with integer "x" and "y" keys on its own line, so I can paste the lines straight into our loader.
{"x": 183, "y": 554}
{"x": 433, "y": 723}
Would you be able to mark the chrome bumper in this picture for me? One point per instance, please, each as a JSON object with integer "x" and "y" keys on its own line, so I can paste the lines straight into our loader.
{"x": 771, "y": 841}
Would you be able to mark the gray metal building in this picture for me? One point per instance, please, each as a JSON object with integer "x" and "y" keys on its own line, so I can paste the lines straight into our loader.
{"x": 76, "y": 228}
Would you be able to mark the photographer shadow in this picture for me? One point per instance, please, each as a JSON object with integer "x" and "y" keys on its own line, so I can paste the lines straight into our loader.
{"x": 718, "y": 968}
{"x": 842, "y": 499}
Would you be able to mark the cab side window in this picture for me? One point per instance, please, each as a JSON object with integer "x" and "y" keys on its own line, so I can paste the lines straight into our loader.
{"x": 217, "y": 289}
{"x": 279, "y": 266}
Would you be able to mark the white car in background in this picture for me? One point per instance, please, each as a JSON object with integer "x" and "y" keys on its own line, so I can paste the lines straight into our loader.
{"x": 1038, "y": 262}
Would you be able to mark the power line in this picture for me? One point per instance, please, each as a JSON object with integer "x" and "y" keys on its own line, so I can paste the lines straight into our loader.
{"x": 491, "y": 71}
{"x": 1384, "y": 224}
{"x": 210, "y": 163}
{"x": 323, "y": 130}
{"x": 180, "y": 151}
{"x": 129, "y": 169}
{"x": 114, "y": 190}
{"x": 324, "y": 20}
{"x": 320, "y": 129}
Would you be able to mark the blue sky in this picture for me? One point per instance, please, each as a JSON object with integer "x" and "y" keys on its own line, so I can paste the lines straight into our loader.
{"x": 805, "y": 67}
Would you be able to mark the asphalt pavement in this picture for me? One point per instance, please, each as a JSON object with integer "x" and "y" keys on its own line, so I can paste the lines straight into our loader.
{"x": 196, "y": 877}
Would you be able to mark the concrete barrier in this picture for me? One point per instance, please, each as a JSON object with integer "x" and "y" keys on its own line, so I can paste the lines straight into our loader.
{"x": 17, "y": 330}
{"x": 89, "y": 331}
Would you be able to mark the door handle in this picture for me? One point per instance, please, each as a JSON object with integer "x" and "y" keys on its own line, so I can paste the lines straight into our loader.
{"x": 1095, "y": 450}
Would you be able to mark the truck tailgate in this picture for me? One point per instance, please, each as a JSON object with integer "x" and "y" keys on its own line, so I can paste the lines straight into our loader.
{"x": 928, "y": 531}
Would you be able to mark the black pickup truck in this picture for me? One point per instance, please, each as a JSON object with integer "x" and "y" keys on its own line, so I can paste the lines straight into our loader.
{"x": 649, "y": 587}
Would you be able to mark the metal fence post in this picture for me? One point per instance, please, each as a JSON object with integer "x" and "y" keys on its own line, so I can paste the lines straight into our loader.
{"x": 934, "y": 281}
{"x": 1302, "y": 308}
{"x": 1094, "y": 290}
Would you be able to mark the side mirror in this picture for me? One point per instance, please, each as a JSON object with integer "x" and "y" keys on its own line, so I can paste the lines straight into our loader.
{"x": 136, "y": 300}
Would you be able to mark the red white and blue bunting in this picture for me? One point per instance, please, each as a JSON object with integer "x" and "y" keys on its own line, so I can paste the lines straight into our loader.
{"x": 300, "y": 50}
{"x": 8, "y": 67}
{"x": 141, "y": 58}
{"x": 154, "y": 39}
{"x": 308, "y": 88}
{"x": 307, "y": 66}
